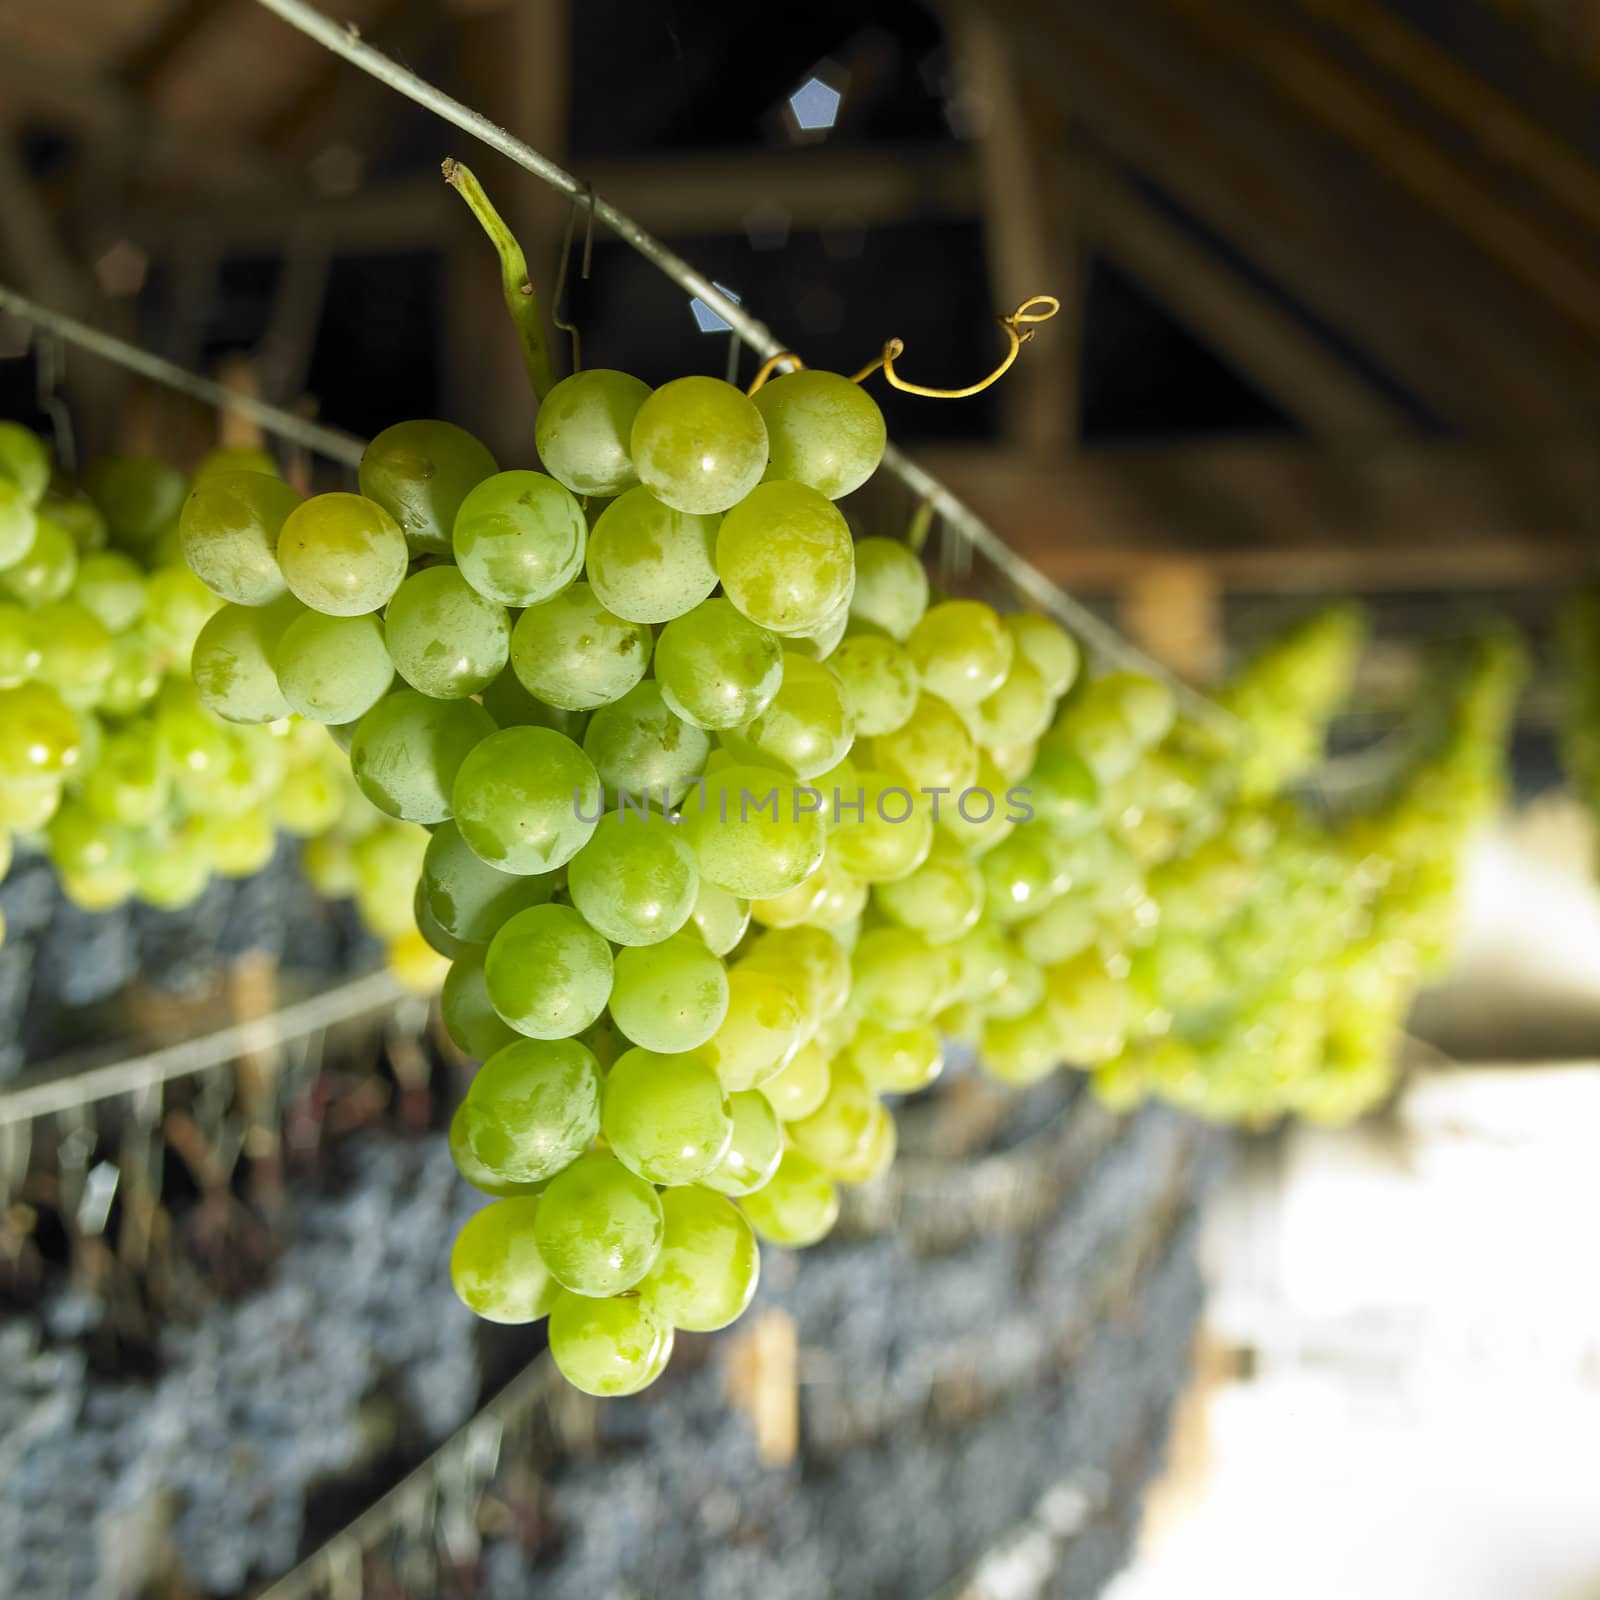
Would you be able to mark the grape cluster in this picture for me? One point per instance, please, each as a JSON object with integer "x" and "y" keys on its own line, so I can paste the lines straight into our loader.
{"x": 1578, "y": 640}
{"x": 114, "y": 659}
{"x": 716, "y": 822}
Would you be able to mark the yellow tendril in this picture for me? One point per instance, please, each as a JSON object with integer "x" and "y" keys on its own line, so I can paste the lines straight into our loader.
{"x": 1017, "y": 327}
{"x": 767, "y": 367}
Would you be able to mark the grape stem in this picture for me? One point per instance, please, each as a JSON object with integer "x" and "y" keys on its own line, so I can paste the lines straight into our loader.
{"x": 1016, "y": 327}
{"x": 521, "y": 300}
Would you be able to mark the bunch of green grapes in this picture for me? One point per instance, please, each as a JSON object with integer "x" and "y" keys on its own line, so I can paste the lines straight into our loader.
{"x": 1578, "y": 641}
{"x": 111, "y": 759}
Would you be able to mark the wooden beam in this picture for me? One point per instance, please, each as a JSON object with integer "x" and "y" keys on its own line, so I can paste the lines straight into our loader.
{"x": 1314, "y": 82}
{"x": 1395, "y": 515}
{"x": 1305, "y": 210}
{"x": 1273, "y": 349}
{"x": 1029, "y": 228}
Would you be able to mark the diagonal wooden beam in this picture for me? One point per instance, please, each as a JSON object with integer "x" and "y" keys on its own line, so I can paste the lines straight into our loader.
{"x": 1242, "y": 324}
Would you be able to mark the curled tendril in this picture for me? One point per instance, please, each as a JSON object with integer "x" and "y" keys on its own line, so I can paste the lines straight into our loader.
{"x": 767, "y": 367}
{"x": 1017, "y": 327}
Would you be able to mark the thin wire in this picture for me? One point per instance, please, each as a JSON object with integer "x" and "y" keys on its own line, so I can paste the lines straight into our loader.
{"x": 61, "y": 1088}
{"x": 568, "y": 326}
{"x": 333, "y": 443}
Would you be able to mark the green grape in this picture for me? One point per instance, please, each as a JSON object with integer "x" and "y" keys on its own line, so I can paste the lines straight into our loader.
{"x": 709, "y": 1264}
{"x": 1063, "y": 791}
{"x": 930, "y": 750}
{"x": 533, "y": 1108}
{"x": 24, "y": 461}
{"x": 665, "y": 1117}
{"x": 641, "y": 748}
{"x": 764, "y": 1025}
{"x": 1048, "y": 647}
{"x": 837, "y": 1131}
{"x": 432, "y": 934}
{"x": 470, "y": 899}
{"x": 699, "y": 445}
{"x": 342, "y": 554}
{"x": 1018, "y": 712}
{"x": 135, "y": 676}
{"x": 39, "y": 735}
{"x": 1066, "y": 926}
{"x": 599, "y": 1226}
{"x": 719, "y": 918}
{"x": 519, "y": 538}
{"x": 1020, "y": 989}
{"x": 941, "y": 900}
{"x": 785, "y": 557}
{"x": 1088, "y": 1007}
{"x": 139, "y": 498}
{"x": 806, "y": 729}
{"x": 900, "y": 980}
{"x": 495, "y": 1266}
{"x": 571, "y": 652}
{"x": 76, "y": 651}
{"x": 233, "y": 661}
{"x": 669, "y": 997}
{"x": 548, "y": 972}
{"x": 584, "y": 428}
{"x": 751, "y": 833}
{"x": 1110, "y": 722}
{"x": 800, "y": 1085}
{"x": 879, "y": 680}
{"x": 981, "y": 957}
{"x": 635, "y": 880}
{"x": 649, "y": 563}
{"x": 95, "y": 892}
{"x": 19, "y": 646}
{"x": 239, "y": 846}
{"x": 229, "y": 529}
{"x": 332, "y": 669}
{"x": 811, "y": 961}
{"x": 444, "y": 637}
{"x": 794, "y": 905}
{"x": 195, "y": 746}
{"x": 526, "y": 799}
{"x": 608, "y": 1348}
{"x": 420, "y": 472}
{"x": 7, "y": 855}
{"x": 797, "y": 1206}
{"x": 27, "y": 802}
{"x": 173, "y": 866}
{"x": 822, "y": 430}
{"x": 820, "y": 642}
{"x": 755, "y": 1149}
{"x": 1021, "y": 877}
{"x": 81, "y": 518}
{"x": 897, "y": 1060}
{"x": 891, "y": 836}
{"x": 409, "y": 748}
{"x": 176, "y": 607}
{"x": 111, "y": 586}
{"x": 19, "y": 523}
{"x": 513, "y": 707}
{"x": 877, "y": 1152}
{"x": 48, "y": 569}
{"x": 961, "y": 651}
{"x": 891, "y": 590}
{"x": 309, "y": 800}
{"x": 469, "y": 1015}
{"x": 81, "y": 841}
{"x": 1020, "y": 1050}
{"x": 987, "y": 813}
{"x": 235, "y": 458}
{"x": 130, "y": 782}
{"x": 716, "y": 668}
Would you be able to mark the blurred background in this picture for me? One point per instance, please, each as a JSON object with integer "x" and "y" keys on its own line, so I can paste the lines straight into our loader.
{"x": 1330, "y": 327}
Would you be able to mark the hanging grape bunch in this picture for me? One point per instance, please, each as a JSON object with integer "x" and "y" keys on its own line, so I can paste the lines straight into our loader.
{"x": 110, "y": 761}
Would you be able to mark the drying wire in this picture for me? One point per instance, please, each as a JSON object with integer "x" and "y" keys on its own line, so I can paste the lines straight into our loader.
{"x": 333, "y": 443}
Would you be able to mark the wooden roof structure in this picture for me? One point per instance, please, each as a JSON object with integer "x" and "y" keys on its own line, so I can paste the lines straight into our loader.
{"x": 1385, "y": 214}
